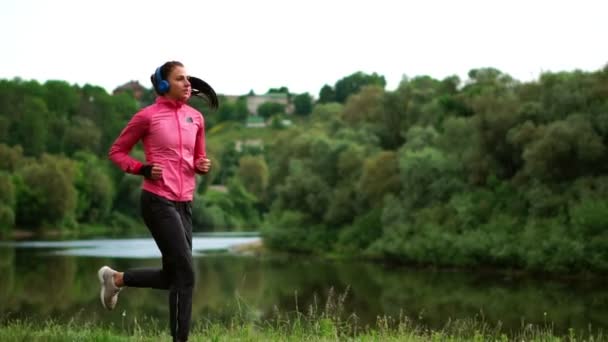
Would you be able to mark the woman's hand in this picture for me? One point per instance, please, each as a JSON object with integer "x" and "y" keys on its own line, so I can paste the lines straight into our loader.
{"x": 152, "y": 171}
{"x": 157, "y": 172}
{"x": 203, "y": 165}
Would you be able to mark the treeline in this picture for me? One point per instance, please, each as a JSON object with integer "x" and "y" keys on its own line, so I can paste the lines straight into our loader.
{"x": 485, "y": 171}
{"x": 54, "y": 171}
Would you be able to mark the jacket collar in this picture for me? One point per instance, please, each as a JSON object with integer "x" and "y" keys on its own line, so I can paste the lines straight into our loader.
{"x": 169, "y": 102}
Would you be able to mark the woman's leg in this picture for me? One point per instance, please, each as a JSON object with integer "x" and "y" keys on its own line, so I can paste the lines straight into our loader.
{"x": 180, "y": 295}
{"x": 173, "y": 235}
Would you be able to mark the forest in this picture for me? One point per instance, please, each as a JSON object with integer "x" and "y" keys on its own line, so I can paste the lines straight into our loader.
{"x": 486, "y": 171}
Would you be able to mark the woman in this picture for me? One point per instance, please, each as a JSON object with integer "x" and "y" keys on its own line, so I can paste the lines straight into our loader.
{"x": 173, "y": 136}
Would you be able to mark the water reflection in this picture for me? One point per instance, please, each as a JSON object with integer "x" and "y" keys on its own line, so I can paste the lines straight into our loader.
{"x": 132, "y": 248}
{"x": 38, "y": 282}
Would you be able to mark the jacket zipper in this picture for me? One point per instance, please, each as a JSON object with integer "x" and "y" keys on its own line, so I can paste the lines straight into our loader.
{"x": 181, "y": 156}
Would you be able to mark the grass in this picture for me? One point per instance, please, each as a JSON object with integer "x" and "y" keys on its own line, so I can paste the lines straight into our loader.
{"x": 328, "y": 324}
{"x": 322, "y": 329}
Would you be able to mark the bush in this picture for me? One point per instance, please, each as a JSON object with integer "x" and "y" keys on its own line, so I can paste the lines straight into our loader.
{"x": 46, "y": 194}
{"x": 286, "y": 230}
{"x": 589, "y": 217}
{"x": 7, "y": 219}
{"x": 208, "y": 218}
{"x": 548, "y": 245}
{"x": 363, "y": 232}
{"x": 124, "y": 223}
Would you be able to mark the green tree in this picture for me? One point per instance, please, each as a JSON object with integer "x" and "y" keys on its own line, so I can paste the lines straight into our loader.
{"x": 29, "y": 128}
{"x": 7, "y": 190}
{"x": 427, "y": 177}
{"x": 329, "y": 112}
{"x": 304, "y": 191}
{"x": 365, "y": 108}
{"x": 302, "y": 104}
{"x": 10, "y": 157}
{"x": 95, "y": 189}
{"x": 229, "y": 111}
{"x": 280, "y": 90}
{"x": 7, "y": 203}
{"x": 394, "y": 116}
{"x": 46, "y": 194}
{"x": 253, "y": 174}
{"x": 82, "y": 135}
{"x": 342, "y": 207}
{"x": 5, "y": 125}
{"x": 351, "y": 84}
{"x": 566, "y": 149}
{"x": 128, "y": 192}
{"x": 268, "y": 109}
{"x": 61, "y": 98}
{"x": 380, "y": 177}
{"x": 327, "y": 94}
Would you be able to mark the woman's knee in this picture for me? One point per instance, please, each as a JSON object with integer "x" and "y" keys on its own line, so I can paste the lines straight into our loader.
{"x": 184, "y": 271}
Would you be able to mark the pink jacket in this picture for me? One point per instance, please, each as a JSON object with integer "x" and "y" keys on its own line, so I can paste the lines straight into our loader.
{"x": 173, "y": 135}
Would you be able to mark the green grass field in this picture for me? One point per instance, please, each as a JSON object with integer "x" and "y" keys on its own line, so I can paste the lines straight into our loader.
{"x": 298, "y": 329}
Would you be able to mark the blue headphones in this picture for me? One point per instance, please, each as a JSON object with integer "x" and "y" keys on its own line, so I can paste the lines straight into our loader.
{"x": 162, "y": 86}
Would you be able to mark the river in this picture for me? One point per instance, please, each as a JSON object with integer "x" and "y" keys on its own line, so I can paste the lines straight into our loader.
{"x": 58, "y": 279}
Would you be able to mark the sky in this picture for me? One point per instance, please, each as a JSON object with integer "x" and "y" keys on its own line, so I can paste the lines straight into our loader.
{"x": 243, "y": 45}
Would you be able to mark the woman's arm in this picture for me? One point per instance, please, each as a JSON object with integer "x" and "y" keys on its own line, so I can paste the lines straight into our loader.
{"x": 122, "y": 146}
{"x": 200, "y": 153}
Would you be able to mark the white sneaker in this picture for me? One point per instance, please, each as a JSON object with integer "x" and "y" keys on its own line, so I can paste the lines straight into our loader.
{"x": 109, "y": 291}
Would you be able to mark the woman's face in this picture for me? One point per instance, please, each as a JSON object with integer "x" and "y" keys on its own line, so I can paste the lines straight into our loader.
{"x": 179, "y": 85}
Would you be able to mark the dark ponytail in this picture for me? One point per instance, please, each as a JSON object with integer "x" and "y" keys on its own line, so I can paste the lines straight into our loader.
{"x": 203, "y": 90}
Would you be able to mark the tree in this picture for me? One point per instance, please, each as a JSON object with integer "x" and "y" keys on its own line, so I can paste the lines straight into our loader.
{"x": 342, "y": 207}
{"x": 61, "y": 98}
{"x": 29, "y": 128}
{"x": 10, "y": 157}
{"x": 567, "y": 149}
{"x": 281, "y": 90}
{"x": 327, "y": 112}
{"x": 393, "y": 119}
{"x": 365, "y": 107}
{"x": 304, "y": 191}
{"x": 253, "y": 174}
{"x": 4, "y": 129}
{"x": 268, "y": 109}
{"x": 327, "y": 94}
{"x": 82, "y": 135}
{"x": 353, "y": 83}
{"x": 228, "y": 111}
{"x": 46, "y": 194}
{"x": 427, "y": 177}
{"x": 380, "y": 177}
{"x": 95, "y": 189}
{"x": 7, "y": 202}
{"x": 365, "y": 110}
{"x": 303, "y": 104}
{"x": 7, "y": 190}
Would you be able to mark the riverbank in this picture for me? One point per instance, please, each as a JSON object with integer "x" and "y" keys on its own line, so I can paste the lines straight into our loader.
{"x": 84, "y": 231}
{"x": 305, "y": 329}
{"x": 254, "y": 248}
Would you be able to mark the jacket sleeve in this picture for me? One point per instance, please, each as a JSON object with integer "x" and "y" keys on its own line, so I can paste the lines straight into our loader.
{"x": 130, "y": 135}
{"x": 199, "y": 145}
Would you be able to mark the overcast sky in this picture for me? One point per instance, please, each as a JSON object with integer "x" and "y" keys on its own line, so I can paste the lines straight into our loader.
{"x": 239, "y": 45}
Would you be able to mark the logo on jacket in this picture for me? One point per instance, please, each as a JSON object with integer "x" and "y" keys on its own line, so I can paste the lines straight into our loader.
{"x": 189, "y": 119}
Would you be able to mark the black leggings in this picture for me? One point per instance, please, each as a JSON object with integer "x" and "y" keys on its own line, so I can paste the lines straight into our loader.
{"x": 170, "y": 223}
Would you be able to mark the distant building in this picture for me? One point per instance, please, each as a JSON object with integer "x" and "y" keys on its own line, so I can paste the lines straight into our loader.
{"x": 255, "y": 143}
{"x": 254, "y": 101}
